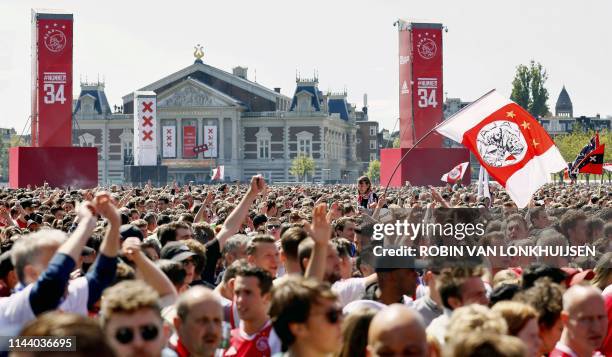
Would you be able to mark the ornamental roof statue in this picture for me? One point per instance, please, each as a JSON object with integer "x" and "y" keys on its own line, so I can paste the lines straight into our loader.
{"x": 198, "y": 53}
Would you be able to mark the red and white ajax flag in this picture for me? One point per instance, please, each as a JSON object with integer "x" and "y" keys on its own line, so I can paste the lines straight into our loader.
{"x": 456, "y": 174}
{"x": 219, "y": 173}
{"x": 508, "y": 142}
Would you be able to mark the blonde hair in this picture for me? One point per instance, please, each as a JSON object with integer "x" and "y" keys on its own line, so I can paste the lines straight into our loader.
{"x": 28, "y": 249}
{"x": 475, "y": 319}
{"x": 516, "y": 314}
{"x": 128, "y": 297}
{"x": 506, "y": 276}
{"x": 486, "y": 344}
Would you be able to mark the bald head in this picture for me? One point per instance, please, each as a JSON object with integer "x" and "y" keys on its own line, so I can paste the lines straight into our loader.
{"x": 198, "y": 320}
{"x": 397, "y": 329}
{"x": 578, "y": 296}
{"x": 195, "y": 296}
{"x": 584, "y": 319}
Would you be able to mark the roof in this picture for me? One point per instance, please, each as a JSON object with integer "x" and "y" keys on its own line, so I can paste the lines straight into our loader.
{"x": 310, "y": 88}
{"x": 198, "y": 66}
{"x": 100, "y": 102}
{"x": 339, "y": 106}
{"x": 563, "y": 102}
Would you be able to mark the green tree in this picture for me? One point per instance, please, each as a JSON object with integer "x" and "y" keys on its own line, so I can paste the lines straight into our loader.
{"x": 528, "y": 89}
{"x": 5, "y": 145}
{"x": 301, "y": 166}
{"x": 396, "y": 142}
{"x": 570, "y": 144}
{"x": 373, "y": 171}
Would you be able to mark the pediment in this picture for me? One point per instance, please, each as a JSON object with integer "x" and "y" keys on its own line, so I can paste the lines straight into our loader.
{"x": 191, "y": 95}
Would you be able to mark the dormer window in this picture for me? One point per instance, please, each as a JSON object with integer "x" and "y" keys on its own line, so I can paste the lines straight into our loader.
{"x": 304, "y": 102}
{"x": 87, "y": 104}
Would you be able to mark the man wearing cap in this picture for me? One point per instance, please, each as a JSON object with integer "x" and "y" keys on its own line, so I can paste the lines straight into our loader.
{"x": 397, "y": 280}
{"x": 129, "y": 230}
{"x": 179, "y": 252}
{"x": 32, "y": 226}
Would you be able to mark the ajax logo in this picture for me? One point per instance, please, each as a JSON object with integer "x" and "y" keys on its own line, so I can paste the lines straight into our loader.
{"x": 54, "y": 39}
{"x": 426, "y": 47}
{"x": 501, "y": 143}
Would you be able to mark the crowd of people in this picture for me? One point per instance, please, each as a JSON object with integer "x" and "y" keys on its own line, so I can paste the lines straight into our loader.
{"x": 257, "y": 270}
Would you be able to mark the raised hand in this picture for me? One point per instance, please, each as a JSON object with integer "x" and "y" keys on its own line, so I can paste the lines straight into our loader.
{"x": 86, "y": 215}
{"x": 257, "y": 185}
{"x": 334, "y": 211}
{"x": 131, "y": 249}
{"x": 104, "y": 205}
{"x": 210, "y": 197}
{"x": 320, "y": 229}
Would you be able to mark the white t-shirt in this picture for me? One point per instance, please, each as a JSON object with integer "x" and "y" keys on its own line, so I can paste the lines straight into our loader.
{"x": 15, "y": 310}
{"x": 349, "y": 290}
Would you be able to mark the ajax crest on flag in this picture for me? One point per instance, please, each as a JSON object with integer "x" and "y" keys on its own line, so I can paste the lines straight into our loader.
{"x": 501, "y": 143}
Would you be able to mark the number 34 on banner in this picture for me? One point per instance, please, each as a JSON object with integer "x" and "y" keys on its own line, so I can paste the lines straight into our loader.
{"x": 54, "y": 93}
{"x": 427, "y": 98}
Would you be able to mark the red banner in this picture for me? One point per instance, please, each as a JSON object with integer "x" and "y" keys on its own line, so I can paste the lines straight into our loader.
{"x": 405, "y": 87}
{"x": 52, "y": 84}
{"x": 427, "y": 99}
{"x": 189, "y": 141}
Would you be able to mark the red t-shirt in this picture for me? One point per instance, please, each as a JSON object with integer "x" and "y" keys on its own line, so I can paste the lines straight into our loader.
{"x": 250, "y": 346}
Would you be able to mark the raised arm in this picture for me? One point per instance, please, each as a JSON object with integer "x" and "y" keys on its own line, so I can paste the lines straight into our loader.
{"x": 320, "y": 231}
{"x": 104, "y": 268}
{"x": 51, "y": 285}
{"x": 234, "y": 220}
{"x": 146, "y": 269}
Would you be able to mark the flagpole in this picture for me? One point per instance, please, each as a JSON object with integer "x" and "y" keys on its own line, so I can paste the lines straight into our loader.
{"x": 426, "y": 135}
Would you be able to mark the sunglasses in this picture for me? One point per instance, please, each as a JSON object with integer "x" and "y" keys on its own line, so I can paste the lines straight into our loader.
{"x": 333, "y": 315}
{"x": 273, "y": 226}
{"x": 125, "y": 335}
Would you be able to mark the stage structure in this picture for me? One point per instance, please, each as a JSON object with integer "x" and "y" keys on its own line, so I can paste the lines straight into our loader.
{"x": 145, "y": 167}
{"x": 420, "y": 109}
{"x": 52, "y": 158}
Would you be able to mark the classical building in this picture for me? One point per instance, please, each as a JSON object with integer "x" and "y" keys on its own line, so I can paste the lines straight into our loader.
{"x": 258, "y": 130}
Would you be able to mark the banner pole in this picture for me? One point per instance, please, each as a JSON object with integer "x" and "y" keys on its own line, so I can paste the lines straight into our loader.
{"x": 427, "y": 134}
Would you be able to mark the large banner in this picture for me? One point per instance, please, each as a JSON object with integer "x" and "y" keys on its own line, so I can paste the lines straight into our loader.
{"x": 210, "y": 139}
{"x": 189, "y": 141}
{"x": 405, "y": 87}
{"x": 169, "y": 141}
{"x": 51, "y": 79}
{"x": 427, "y": 99}
{"x": 145, "y": 129}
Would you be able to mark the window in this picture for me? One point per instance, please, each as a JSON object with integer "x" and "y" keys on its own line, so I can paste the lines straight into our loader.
{"x": 372, "y": 156}
{"x": 304, "y": 147}
{"x": 372, "y": 144}
{"x": 358, "y": 140}
{"x": 264, "y": 137}
{"x": 263, "y": 148}
{"x": 372, "y": 130}
{"x": 304, "y": 143}
{"x": 127, "y": 148}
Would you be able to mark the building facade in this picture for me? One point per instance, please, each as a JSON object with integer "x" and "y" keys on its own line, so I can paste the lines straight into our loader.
{"x": 258, "y": 130}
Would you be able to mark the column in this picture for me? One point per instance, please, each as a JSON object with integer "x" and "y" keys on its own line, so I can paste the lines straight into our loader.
{"x": 220, "y": 135}
{"x": 235, "y": 134}
{"x": 179, "y": 138}
{"x": 200, "y": 122}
